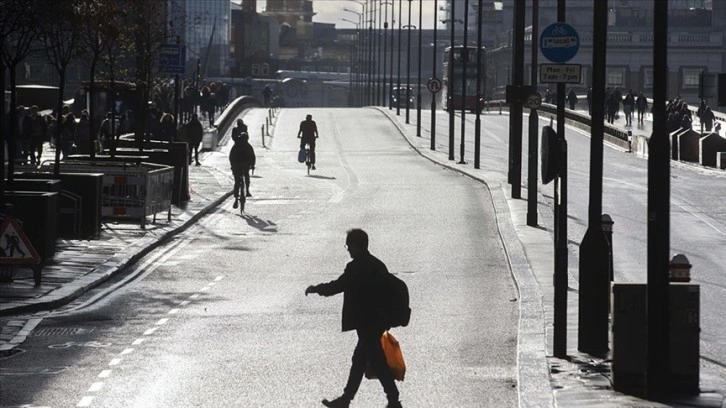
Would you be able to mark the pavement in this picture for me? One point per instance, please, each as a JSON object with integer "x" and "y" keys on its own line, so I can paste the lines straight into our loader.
{"x": 544, "y": 381}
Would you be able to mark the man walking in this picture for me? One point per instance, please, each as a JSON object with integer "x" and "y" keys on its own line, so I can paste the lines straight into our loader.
{"x": 308, "y": 133}
{"x": 361, "y": 284}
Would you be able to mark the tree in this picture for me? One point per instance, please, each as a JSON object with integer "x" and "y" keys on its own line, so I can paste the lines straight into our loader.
{"x": 59, "y": 33}
{"x": 18, "y": 29}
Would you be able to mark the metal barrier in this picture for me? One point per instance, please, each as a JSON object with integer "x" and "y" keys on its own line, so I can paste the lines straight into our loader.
{"x": 130, "y": 190}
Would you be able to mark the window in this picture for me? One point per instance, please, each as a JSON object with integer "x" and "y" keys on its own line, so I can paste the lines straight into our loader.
{"x": 647, "y": 77}
{"x": 255, "y": 69}
{"x": 265, "y": 69}
{"x": 691, "y": 77}
{"x": 615, "y": 76}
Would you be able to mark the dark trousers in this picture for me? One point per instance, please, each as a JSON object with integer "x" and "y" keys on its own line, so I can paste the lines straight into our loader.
{"x": 303, "y": 142}
{"x": 241, "y": 180}
{"x": 194, "y": 152}
{"x": 368, "y": 350}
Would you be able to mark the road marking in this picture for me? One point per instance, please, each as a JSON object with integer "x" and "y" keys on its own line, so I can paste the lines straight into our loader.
{"x": 218, "y": 278}
{"x": 104, "y": 374}
{"x": 150, "y": 331}
{"x": 184, "y": 303}
{"x": 95, "y": 386}
{"x": 114, "y": 361}
{"x": 173, "y": 311}
{"x": 204, "y": 289}
{"x": 127, "y": 351}
{"x": 162, "y": 321}
{"x": 137, "y": 342}
{"x": 194, "y": 296}
{"x": 85, "y": 402}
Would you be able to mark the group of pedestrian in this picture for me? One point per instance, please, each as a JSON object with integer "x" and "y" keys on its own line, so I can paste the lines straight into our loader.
{"x": 706, "y": 116}
{"x": 678, "y": 115}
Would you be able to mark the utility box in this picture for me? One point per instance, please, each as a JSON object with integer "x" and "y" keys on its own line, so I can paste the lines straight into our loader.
{"x": 629, "y": 337}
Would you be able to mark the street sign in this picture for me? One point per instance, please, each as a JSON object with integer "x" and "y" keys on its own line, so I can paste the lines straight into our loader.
{"x": 559, "y": 42}
{"x": 15, "y": 247}
{"x": 534, "y": 101}
{"x": 172, "y": 59}
{"x": 434, "y": 85}
{"x": 560, "y": 73}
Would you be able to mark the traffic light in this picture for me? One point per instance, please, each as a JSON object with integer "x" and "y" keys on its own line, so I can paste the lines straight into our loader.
{"x": 721, "y": 89}
{"x": 551, "y": 152}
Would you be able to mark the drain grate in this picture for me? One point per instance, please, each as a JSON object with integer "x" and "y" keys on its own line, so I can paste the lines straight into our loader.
{"x": 61, "y": 331}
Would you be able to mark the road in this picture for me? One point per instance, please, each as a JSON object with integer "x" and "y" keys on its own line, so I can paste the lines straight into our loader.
{"x": 698, "y": 213}
{"x": 217, "y": 317}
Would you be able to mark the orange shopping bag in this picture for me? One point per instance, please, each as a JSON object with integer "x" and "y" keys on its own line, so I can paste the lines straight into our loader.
{"x": 394, "y": 358}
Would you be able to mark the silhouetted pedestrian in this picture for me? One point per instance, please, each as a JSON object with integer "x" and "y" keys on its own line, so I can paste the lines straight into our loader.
{"x": 361, "y": 284}
{"x": 241, "y": 158}
{"x": 572, "y": 99}
{"x": 641, "y": 104}
{"x": 194, "y": 133}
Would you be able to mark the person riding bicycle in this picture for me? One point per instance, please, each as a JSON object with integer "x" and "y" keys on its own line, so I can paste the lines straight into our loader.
{"x": 308, "y": 133}
{"x": 241, "y": 159}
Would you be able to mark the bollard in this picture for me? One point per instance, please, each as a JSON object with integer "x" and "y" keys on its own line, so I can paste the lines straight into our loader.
{"x": 607, "y": 228}
{"x": 263, "y": 135}
{"x": 500, "y": 107}
{"x": 269, "y": 114}
{"x": 630, "y": 141}
{"x": 680, "y": 269}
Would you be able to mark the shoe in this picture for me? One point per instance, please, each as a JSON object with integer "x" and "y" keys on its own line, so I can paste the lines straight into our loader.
{"x": 248, "y": 194}
{"x": 236, "y": 203}
{"x": 396, "y": 404}
{"x": 313, "y": 168}
{"x": 198, "y": 164}
{"x": 340, "y": 402}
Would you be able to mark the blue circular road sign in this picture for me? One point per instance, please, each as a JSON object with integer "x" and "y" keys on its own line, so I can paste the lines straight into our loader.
{"x": 559, "y": 42}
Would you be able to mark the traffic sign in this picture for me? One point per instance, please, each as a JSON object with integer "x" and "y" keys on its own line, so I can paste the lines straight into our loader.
{"x": 559, "y": 42}
{"x": 534, "y": 101}
{"x": 15, "y": 247}
{"x": 172, "y": 59}
{"x": 560, "y": 73}
{"x": 434, "y": 85}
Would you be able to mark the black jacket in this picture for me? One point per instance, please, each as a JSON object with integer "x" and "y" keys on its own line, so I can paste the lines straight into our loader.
{"x": 362, "y": 283}
{"x": 242, "y": 154}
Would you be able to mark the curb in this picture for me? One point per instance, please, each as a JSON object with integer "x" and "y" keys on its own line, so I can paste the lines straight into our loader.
{"x": 533, "y": 376}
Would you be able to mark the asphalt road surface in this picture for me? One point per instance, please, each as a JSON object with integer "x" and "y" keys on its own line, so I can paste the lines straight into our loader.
{"x": 218, "y": 316}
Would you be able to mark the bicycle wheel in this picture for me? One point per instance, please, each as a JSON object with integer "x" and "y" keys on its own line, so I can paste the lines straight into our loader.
{"x": 309, "y": 165}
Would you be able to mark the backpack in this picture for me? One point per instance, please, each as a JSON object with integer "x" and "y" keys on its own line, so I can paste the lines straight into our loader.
{"x": 399, "y": 309}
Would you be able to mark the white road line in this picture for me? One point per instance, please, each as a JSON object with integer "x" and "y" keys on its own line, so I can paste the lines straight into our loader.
{"x": 114, "y": 362}
{"x": 211, "y": 283}
{"x": 194, "y": 296}
{"x": 95, "y": 386}
{"x": 162, "y": 321}
{"x": 184, "y": 303}
{"x": 173, "y": 311}
{"x": 85, "y": 402}
{"x": 104, "y": 374}
{"x": 127, "y": 351}
{"x": 218, "y": 278}
{"x": 204, "y": 289}
{"x": 137, "y": 342}
{"x": 150, "y": 331}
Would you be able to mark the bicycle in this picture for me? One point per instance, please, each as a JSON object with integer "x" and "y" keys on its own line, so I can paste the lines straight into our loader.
{"x": 308, "y": 163}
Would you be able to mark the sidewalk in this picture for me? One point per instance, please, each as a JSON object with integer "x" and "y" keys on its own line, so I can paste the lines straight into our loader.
{"x": 80, "y": 265}
{"x": 543, "y": 380}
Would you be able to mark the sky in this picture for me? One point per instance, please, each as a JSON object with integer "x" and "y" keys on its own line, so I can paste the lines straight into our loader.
{"x": 331, "y": 11}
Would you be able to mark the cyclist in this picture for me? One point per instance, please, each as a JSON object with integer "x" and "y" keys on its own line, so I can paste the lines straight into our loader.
{"x": 241, "y": 159}
{"x": 308, "y": 133}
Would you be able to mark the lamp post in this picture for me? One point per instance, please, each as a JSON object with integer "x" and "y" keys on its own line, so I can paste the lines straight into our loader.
{"x": 359, "y": 53}
{"x": 433, "y": 75}
{"x": 408, "y": 64}
{"x": 393, "y": 22}
{"x": 385, "y": 51}
{"x": 377, "y": 53}
{"x": 464, "y": 80}
{"x": 418, "y": 88}
{"x": 398, "y": 89}
{"x": 477, "y": 121}
{"x": 350, "y": 69}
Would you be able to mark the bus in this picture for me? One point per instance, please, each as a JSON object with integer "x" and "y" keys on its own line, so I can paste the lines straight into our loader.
{"x": 452, "y": 92}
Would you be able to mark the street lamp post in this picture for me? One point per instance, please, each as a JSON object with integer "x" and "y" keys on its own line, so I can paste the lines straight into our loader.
{"x": 393, "y": 23}
{"x": 398, "y": 90}
{"x": 385, "y": 51}
{"x": 450, "y": 101}
{"x": 351, "y": 64}
{"x": 464, "y": 80}
{"x": 418, "y": 88}
{"x": 408, "y": 64}
{"x": 433, "y": 75}
{"x": 377, "y": 66}
{"x": 477, "y": 121}
{"x": 359, "y": 52}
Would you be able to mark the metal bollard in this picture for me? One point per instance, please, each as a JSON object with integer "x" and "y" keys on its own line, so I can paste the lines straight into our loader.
{"x": 607, "y": 228}
{"x": 263, "y": 135}
{"x": 269, "y": 114}
{"x": 680, "y": 269}
{"x": 500, "y": 107}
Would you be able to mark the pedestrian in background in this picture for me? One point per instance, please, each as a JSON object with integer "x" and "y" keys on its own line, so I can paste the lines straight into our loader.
{"x": 641, "y": 104}
{"x": 572, "y": 99}
{"x": 194, "y": 134}
{"x": 628, "y": 108}
{"x": 68, "y": 135}
{"x": 361, "y": 284}
{"x": 707, "y": 118}
{"x": 167, "y": 130}
{"x": 37, "y": 127}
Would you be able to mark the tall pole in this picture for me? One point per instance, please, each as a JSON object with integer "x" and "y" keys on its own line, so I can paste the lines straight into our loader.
{"x": 418, "y": 88}
{"x": 515, "y": 108}
{"x": 377, "y": 68}
{"x": 393, "y": 24}
{"x": 408, "y": 66}
{"x": 657, "y": 376}
{"x": 371, "y": 48}
{"x": 450, "y": 85}
{"x": 533, "y": 126}
{"x": 477, "y": 121}
{"x": 385, "y": 51}
{"x": 398, "y": 90}
{"x": 433, "y": 75}
{"x": 594, "y": 250}
{"x": 464, "y": 80}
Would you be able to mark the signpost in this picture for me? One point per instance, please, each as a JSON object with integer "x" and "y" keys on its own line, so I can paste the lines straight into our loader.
{"x": 434, "y": 85}
{"x": 559, "y": 42}
{"x": 16, "y": 249}
{"x": 560, "y": 73}
{"x": 172, "y": 59}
